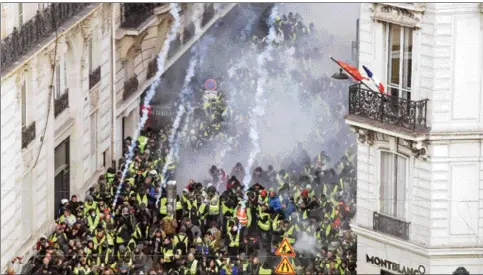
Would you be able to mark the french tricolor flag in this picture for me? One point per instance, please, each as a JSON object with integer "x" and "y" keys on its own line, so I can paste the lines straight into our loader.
{"x": 378, "y": 83}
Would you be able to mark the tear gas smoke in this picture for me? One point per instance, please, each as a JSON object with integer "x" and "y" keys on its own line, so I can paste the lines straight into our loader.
{"x": 174, "y": 11}
{"x": 306, "y": 244}
{"x": 172, "y": 141}
{"x": 301, "y": 102}
{"x": 259, "y": 110}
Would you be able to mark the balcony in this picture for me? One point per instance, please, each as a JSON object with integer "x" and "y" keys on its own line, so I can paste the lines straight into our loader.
{"x": 133, "y": 14}
{"x": 391, "y": 226}
{"x": 28, "y": 135}
{"x": 94, "y": 77}
{"x": 61, "y": 103}
{"x": 130, "y": 87}
{"x": 390, "y": 112}
{"x": 35, "y": 30}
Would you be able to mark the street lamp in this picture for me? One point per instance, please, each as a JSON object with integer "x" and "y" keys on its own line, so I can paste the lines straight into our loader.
{"x": 340, "y": 75}
{"x": 461, "y": 271}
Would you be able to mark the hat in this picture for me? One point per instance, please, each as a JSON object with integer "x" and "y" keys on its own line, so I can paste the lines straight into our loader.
{"x": 64, "y": 201}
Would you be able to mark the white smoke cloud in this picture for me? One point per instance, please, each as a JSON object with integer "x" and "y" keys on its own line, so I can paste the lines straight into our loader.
{"x": 174, "y": 11}
{"x": 306, "y": 244}
{"x": 290, "y": 116}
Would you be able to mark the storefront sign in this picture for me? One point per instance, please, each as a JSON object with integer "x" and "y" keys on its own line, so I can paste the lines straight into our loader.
{"x": 395, "y": 266}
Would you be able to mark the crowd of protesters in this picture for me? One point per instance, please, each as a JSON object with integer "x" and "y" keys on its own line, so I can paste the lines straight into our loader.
{"x": 204, "y": 236}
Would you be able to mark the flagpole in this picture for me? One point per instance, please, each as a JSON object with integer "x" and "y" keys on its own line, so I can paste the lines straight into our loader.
{"x": 351, "y": 75}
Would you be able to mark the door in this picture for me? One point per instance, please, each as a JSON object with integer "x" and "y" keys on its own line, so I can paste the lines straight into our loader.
{"x": 62, "y": 173}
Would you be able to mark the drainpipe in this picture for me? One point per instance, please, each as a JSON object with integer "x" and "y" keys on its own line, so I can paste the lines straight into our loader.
{"x": 113, "y": 90}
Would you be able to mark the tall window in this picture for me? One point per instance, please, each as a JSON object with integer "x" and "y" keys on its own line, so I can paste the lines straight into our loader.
{"x": 399, "y": 62}
{"x": 23, "y": 91}
{"x": 60, "y": 78}
{"x": 94, "y": 52}
{"x": 20, "y": 15}
{"x": 393, "y": 185}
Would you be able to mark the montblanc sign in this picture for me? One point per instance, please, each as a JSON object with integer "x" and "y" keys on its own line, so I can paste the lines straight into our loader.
{"x": 395, "y": 266}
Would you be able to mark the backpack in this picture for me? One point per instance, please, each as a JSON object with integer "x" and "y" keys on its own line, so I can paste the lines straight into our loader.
{"x": 181, "y": 245}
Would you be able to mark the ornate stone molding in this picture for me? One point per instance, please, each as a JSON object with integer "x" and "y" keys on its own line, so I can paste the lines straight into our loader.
{"x": 418, "y": 149}
{"x": 125, "y": 45}
{"x": 86, "y": 27}
{"x": 404, "y": 14}
{"x": 364, "y": 135}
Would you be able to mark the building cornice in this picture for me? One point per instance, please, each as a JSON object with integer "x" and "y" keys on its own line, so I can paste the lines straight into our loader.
{"x": 50, "y": 42}
{"x": 416, "y": 249}
{"x": 404, "y": 14}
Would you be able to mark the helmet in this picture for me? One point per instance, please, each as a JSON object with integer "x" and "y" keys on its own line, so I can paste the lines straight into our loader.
{"x": 263, "y": 193}
{"x": 305, "y": 192}
{"x": 64, "y": 201}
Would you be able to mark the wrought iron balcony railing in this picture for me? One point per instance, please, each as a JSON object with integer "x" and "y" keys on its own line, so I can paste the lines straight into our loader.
{"x": 28, "y": 135}
{"x": 130, "y": 87}
{"x": 152, "y": 67}
{"x": 208, "y": 13}
{"x": 390, "y": 225}
{"x": 36, "y": 29}
{"x": 94, "y": 77}
{"x": 133, "y": 14}
{"x": 387, "y": 109}
{"x": 61, "y": 103}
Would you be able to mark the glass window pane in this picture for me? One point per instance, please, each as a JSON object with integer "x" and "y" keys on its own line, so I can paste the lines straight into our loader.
{"x": 387, "y": 183}
{"x": 401, "y": 188}
{"x": 408, "y": 52}
{"x": 60, "y": 157}
{"x": 394, "y": 53}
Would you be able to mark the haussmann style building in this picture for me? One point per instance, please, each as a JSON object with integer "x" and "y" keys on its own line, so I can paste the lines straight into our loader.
{"x": 420, "y": 150}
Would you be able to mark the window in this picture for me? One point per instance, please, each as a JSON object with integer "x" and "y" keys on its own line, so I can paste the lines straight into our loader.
{"x": 393, "y": 185}
{"x": 27, "y": 207}
{"x": 399, "y": 63}
{"x": 60, "y": 78}
{"x": 94, "y": 53}
{"x": 23, "y": 90}
{"x": 20, "y": 15}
